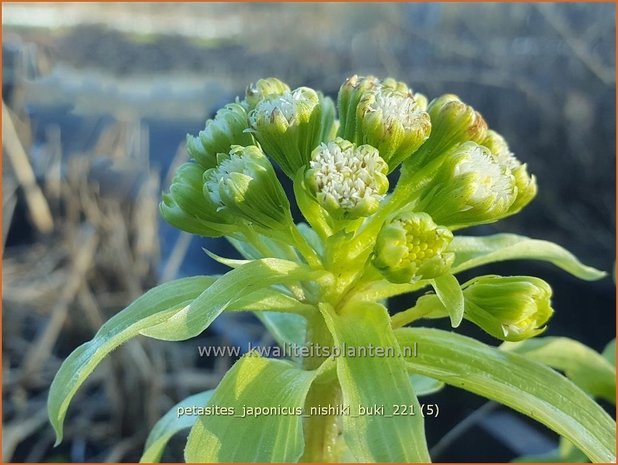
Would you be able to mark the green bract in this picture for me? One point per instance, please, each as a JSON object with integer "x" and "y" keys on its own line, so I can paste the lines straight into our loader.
{"x": 229, "y": 127}
{"x": 453, "y": 122}
{"x": 349, "y": 96}
{"x": 323, "y": 283}
{"x": 186, "y": 207}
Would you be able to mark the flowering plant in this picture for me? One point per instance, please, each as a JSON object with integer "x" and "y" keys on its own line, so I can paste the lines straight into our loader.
{"x": 324, "y": 283}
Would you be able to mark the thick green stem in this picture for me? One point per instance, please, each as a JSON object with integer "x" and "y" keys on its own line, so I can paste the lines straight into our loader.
{"x": 320, "y": 427}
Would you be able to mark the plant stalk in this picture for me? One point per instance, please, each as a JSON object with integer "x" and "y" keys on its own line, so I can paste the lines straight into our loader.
{"x": 320, "y": 427}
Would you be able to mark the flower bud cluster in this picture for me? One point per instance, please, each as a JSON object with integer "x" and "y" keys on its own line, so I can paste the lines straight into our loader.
{"x": 384, "y": 114}
{"x": 348, "y": 181}
{"x": 241, "y": 191}
{"x": 244, "y": 185}
{"x": 412, "y": 247}
{"x": 467, "y": 172}
{"x": 455, "y": 173}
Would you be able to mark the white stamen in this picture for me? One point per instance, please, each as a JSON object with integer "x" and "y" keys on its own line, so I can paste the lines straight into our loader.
{"x": 287, "y": 103}
{"x": 396, "y": 106}
{"x": 492, "y": 178}
{"x": 347, "y": 175}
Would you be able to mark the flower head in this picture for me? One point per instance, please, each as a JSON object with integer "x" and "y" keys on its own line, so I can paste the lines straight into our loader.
{"x": 384, "y": 114}
{"x": 227, "y": 128}
{"x": 452, "y": 123}
{"x": 392, "y": 121}
{"x": 185, "y": 207}
{"x": 348, "y": 181}
{"x": 469, "y": 188}
{"x": 525, "y": 183}
{"x": 245, "y": 186}
{"x": 412, "y": 247}
{"x": 510, "y": 308}
{"x": 288, "y": 126}
{"x": 264, "y": 89}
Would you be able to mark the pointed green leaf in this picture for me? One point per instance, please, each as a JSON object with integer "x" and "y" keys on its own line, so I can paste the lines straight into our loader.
{"x": 368, "y": 381}
{"x": 170, "y": 424}
{"x": 229, "y": 262}
{"x": 245, "y": 279}
{"x": 582, "y": 365}
{"x": 150, "y": 309}
{"x": 476, "y": 251}
{"x": 273, "y": 437}
{"x": 450, "y": 294}
{"x": 511, "y": 379}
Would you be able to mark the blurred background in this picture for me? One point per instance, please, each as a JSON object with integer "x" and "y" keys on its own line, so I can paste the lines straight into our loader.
{"x": 97, "y": 99}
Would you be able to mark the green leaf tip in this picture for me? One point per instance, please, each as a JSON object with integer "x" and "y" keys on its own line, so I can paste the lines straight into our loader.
{"x": 471, "y": 252}
{"x": 150, "y": 309}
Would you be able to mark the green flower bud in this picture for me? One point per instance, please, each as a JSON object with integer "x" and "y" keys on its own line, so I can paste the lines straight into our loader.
{"x": 525, "y": 183}
{"x": 348, "y": 98}
{"x": 264, "y": 89}
{"x": 393, "y": 122}
{"x": 186, "y": 208}
{"x": 288, "y": 127}
{"x": 187, "y": 190}
{"x": 244, "y": 184}
{"x": 452, "y": 122}
{"x": 412, "y": 247}
{"x": 470, "y": 187}
{"x": 348, "y": 181}
{"x": 510, "y": 308}
{"x": 177, "y": 217}
{"x": 226, "y": 129}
